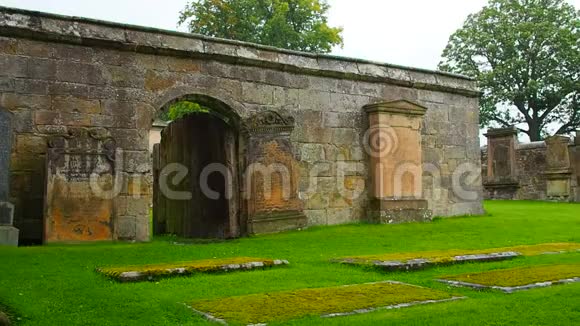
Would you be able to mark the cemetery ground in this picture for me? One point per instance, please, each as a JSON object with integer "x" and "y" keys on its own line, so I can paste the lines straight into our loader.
{"x": 58, "y": 285}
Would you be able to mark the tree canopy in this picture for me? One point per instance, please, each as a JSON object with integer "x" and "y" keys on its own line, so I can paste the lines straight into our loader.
{"x": 526, "y": 56}
{"x": 291, "y": 24}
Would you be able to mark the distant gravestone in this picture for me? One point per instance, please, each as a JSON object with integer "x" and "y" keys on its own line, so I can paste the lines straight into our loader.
{"x": 559, "y": 170}
{"x": 8, "y": 234}
{"x": 80, "y": 181}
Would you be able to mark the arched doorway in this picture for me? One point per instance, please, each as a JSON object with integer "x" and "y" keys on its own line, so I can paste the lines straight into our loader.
{"x": 196, "y": 174}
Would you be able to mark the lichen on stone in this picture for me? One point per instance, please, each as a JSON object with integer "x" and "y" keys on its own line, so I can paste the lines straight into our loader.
{"x": 157, "y": 271}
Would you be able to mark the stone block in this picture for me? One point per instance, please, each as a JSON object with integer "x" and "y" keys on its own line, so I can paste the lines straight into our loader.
{"x": 13, "y": 66}
{"x": 126, "y": 228}
{"x": 11, "y": 101}
{"x": 23, "y": 122}
{"x": 399, "y": 211}
{"x": 42, "y": 69}
{"x": 312, "y": 152}
{"x": 316, "y": 217}
{"x": 258, "y": 94}
{"x": 28, "y": 143}
{"x": 339, "y": 216}
{"x": 9, "y": 236}
{"x": 317, "y": 201}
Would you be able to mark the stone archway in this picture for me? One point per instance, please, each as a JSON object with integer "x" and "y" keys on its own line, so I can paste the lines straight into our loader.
{"x": 196, "y": 170}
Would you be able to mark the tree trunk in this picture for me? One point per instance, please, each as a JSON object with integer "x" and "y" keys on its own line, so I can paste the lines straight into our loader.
{"x": 535, "y": 131}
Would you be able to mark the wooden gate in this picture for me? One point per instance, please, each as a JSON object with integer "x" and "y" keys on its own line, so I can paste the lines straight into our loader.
{"x": 196, "y": 192}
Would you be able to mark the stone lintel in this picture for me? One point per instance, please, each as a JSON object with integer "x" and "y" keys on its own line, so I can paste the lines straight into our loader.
{"x": 501, "y": 132}
{"x": 402, "y": 107}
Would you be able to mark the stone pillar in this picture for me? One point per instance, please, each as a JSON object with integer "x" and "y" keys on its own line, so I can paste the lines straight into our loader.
{"x": 8, "y": 233}
{"x": 501, "y": 179}
{"x": 559, "y": 172}
{"x": 394, "y": 147}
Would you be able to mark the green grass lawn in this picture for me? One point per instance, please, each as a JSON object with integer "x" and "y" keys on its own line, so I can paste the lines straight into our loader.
{"x": 57, "y": 285}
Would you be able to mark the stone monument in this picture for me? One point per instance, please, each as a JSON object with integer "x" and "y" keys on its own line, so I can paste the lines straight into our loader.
{"x": 501, "y": 179}
{"x": 8, "y": 233}
{"x": 394, "y": 146}
{"x": 559, "y": 171}
{"x": 80, "y": 186}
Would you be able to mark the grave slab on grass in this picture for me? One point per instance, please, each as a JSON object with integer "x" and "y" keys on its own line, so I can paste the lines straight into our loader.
{"x": 326, "y": 302}
{"x": 517, "y": 279}
{"x": 421, "y": 260}
{"x": 152, "y": 272}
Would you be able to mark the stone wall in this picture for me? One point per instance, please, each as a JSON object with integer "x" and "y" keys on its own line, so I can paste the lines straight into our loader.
{"x": 58, "y": 73}
{"x": 531, "y": 173}
{"x": 530, "y": 161}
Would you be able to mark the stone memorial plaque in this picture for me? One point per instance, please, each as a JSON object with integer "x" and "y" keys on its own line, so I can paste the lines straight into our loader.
{"x": 501, "y": 162}
{"x": 80, "y": 180}
{"x": 275, "y": 174}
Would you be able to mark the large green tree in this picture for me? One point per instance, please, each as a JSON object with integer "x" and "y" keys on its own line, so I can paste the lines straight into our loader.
{"x": 291, "y": 24}
{"x": 526, "y": 56}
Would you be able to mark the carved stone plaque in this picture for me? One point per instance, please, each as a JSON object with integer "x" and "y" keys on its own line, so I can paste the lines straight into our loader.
{"x": 80, "y": 176}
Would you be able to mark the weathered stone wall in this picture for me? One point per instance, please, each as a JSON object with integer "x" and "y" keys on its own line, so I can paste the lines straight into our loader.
{"x": 531, "y": 169}
{"x": 58, "y": 72}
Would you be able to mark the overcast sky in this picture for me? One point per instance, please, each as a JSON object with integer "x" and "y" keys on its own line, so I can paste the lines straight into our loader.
{"x": 408, "y": 32}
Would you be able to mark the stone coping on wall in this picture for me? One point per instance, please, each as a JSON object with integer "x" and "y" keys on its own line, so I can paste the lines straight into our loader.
{"x": 90, "y": 32}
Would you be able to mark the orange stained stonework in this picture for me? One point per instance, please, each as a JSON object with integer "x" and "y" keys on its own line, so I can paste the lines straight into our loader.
{"x": 394, "y": 144}
{"x": 75, "y": 215}
{"x": 280, "y": 195}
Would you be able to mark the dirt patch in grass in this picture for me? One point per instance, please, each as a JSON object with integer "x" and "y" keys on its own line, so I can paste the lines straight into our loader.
{"x": 157, "y": 271}
{"x": 447, "y": 256}
{"x": 519, "y": 276}
{"x": 328, "y": 302}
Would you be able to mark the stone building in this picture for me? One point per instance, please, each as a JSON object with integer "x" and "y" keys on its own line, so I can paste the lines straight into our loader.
{"x": 344, "y": 140}
{"x": 544, "y": 170}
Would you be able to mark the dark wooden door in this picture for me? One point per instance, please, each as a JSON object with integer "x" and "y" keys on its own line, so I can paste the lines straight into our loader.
{"x": 207, "y": 147}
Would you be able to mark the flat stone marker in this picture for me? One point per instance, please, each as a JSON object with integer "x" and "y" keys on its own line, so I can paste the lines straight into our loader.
{"x": 517, "y": 279}
{"x": 425, "y": 259}
{"x": 154, "y": 272}
{"x": 259, "y": 309}
{"x": 8, "y": 233}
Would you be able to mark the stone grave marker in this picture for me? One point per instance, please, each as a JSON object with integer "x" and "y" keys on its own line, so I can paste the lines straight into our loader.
{"x": 8, "y": 233}
{"x": 80, "y": 186}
